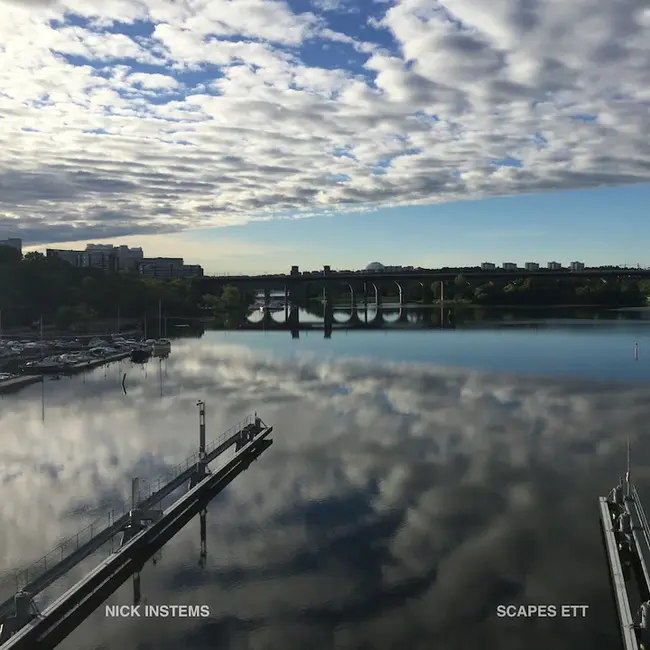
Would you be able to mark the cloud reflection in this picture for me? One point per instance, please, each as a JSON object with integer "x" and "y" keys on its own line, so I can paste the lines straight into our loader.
{"x": 398, "y": 506}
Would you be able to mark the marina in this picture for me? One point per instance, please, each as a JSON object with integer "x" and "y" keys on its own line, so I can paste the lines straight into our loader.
{"x": 26, "y": 362}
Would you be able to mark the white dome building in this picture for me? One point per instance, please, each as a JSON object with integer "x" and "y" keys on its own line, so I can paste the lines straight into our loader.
{"x": 375, "y": 266}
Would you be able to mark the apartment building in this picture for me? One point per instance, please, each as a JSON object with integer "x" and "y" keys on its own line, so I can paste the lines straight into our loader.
{"x": 169, "y": 267}
{"x": 13, "y": 242}
{"x": 122, "y": 258}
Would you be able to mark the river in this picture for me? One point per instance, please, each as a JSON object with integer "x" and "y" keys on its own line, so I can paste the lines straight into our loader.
{"x": 417, "y": 480}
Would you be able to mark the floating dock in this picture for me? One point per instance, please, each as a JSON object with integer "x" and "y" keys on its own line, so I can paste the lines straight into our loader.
{"x": 22, "y": 627}
{"x": 626, "y": 537}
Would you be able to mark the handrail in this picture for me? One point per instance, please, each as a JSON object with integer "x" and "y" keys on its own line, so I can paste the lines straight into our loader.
{"x": 151, "y": 487}
{"x": 23, "y": 576}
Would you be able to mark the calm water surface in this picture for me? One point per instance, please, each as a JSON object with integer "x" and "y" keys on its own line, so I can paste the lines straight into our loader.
{"x": 417, "y": 480}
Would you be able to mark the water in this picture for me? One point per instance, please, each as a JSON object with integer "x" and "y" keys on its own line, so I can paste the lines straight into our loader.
{"x": 417, "y": 480}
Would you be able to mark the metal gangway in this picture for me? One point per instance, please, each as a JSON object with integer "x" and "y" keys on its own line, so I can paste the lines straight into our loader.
{"x": 249, "y": 439}
{"x": 626, "y": 537}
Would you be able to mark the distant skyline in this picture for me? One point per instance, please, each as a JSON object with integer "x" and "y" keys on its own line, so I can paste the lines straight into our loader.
{"x": 598, "y": 227}
{"x": 250, "y": 135}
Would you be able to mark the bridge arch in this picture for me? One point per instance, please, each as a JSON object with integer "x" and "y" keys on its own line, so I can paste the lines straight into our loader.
{"x": 352, "y": 306}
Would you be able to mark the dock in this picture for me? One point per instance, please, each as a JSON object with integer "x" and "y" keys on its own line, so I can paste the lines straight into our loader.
{"x": 137, "y": 528}
{"x": 626, "y": 538}
{"x": 16, "y": 383}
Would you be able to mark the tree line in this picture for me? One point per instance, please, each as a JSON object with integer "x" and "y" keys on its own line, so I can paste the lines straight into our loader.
{"x": 532, "y": 291}
{"x": 536, "y": 290}
{"x": 34, "y": 287}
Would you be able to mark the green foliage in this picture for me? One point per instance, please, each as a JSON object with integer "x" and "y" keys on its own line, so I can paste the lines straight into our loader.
{"x": 66, "y": 295}
{"x": 552, "y": 291}
{"x": 230, "y": 308}
{"x": 78, "y": 317}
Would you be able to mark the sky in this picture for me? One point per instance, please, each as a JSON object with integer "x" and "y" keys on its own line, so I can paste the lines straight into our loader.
{"x": 251, "y": 135}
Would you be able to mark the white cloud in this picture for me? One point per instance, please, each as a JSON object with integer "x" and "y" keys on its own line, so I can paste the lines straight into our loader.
{"x": 212, "y": 118}
{"x": 455, "y": 489}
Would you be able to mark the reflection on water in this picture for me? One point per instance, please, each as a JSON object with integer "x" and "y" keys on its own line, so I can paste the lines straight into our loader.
{"x": 400, "y": 503}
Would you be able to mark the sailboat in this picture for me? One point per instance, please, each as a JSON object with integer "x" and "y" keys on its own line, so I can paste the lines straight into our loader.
{"x": 162, "y": 346}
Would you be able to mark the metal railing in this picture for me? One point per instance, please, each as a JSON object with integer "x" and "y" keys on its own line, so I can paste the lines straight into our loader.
{"x": 22, "y": 577}
{"x": 69, "y": 545}
{"x": 151, "y": 487}
{"x": 642, "y": 515}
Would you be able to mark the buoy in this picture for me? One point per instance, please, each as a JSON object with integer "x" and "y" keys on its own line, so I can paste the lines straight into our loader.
{"x": 636, "y": 351}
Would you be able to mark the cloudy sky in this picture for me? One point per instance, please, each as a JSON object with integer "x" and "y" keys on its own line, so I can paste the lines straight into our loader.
{"x": 398, "y": 505}
{"x": 313, "y": 130}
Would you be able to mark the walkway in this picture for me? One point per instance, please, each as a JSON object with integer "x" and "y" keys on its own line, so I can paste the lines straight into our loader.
{"x": 194, "y": 471}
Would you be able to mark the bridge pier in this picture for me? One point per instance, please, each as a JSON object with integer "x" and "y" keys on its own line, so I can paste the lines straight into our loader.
{"x": 294, "y": 322}
{"x": 267, "y": 318}
{"x": 328, "y": 318}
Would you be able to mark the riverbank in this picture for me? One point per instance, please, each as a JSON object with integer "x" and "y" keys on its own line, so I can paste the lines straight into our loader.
{"x": 476, "y": 305}
{"x": 50, "y": 333}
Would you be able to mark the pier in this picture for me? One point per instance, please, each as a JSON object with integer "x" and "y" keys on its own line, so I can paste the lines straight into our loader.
{"x": 626, "y": 538}
{"x": 20, "y": 381}
{"x": 140, "y": 529}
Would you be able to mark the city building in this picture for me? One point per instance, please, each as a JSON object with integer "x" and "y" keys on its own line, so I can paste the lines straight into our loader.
{"x": 532, "y": 266}
{"x": 577, "y": 266}
{"x": 509, "y": 266}
{"x": 295, "y": 270}
{"x": 488, "y": 266}
{"x": 168, "y": 267}
{"x": 13, "y": 242}
{"x": 71, "y": 257}
{"x": 127, "y": 259}
{"x": 375, "y": 266}
{"x": 554, "y": 266}
{"x": 122, "y": 258}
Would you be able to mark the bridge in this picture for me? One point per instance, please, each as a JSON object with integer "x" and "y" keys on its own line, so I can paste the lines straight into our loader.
{"x": 436, "y": 317}
{"x": 369, "y": 284}
{"x": 141, "y": 530}
{"x": 626, "y": 537}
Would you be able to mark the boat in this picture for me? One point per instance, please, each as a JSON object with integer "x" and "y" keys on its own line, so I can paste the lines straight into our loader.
{"x": 140, "y": 355}
{"x": 46, "y": 366}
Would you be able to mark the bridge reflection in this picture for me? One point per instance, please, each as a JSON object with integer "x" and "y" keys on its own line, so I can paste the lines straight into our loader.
{"x": 328, "y": 317}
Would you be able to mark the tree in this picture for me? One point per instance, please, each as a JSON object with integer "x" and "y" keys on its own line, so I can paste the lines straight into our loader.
{"x": 230, "y": 297}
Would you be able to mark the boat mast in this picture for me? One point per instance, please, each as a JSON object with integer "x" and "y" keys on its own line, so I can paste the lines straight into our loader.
{"x": 627, "y": 473}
